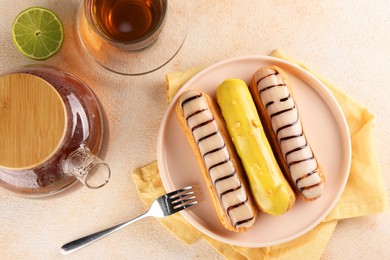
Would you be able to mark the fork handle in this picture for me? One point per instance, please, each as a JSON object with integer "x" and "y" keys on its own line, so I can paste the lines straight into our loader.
{"x": 84, "y": 241}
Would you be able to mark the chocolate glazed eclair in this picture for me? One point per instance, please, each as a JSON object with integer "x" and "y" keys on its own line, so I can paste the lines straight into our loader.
{"x": 220, "y": 166}
{"x": 275, "y": 102}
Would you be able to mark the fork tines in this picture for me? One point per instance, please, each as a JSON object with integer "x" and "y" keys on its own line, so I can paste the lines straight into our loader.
{"x": 183, "y": 198}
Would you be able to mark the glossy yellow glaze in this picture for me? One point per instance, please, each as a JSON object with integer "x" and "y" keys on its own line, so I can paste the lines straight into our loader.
{"x": 270, "y": 189}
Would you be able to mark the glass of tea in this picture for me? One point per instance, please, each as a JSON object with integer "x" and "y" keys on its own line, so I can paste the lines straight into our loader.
{"x": 132, "y": 37}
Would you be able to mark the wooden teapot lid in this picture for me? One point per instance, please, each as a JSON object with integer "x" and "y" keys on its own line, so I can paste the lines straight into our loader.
{"x": 32, "y": 121}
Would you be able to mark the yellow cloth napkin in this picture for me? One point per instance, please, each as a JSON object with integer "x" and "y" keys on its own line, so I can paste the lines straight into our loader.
{"x": 364, "y": 193}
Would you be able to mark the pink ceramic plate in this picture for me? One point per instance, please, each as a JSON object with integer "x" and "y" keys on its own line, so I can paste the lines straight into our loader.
{"x": 325, "y": 128}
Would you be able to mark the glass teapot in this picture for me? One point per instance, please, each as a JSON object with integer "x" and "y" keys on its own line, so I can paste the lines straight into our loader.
{"x": 51, "y": 128}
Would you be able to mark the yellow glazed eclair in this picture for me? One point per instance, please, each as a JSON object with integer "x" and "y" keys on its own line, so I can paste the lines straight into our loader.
{"x": 279, "y": 113}
{"x": 270, "y": 189}
{"x": 221, "y": 168}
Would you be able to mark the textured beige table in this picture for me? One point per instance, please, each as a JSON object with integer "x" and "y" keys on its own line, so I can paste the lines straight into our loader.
{"x": 347, "y": 41}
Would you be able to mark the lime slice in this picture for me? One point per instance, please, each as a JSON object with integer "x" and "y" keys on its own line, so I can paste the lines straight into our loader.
{"x": 37, "y": 33}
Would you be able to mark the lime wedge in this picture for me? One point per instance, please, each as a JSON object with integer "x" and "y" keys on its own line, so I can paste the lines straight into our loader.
{"x": 37, "y": 33}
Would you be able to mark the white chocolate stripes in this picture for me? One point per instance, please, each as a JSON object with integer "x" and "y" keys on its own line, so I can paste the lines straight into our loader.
{"x": 286, "y": 124}
{"x": 215, "y": 155}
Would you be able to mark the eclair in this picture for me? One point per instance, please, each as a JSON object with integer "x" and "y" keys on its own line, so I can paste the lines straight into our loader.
{"x": 279, "y": 113}
{"x": 271, "y": 191}
{"x": 221, "y": 168}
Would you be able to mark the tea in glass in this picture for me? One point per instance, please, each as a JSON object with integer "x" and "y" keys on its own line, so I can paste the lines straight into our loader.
{"x": 125, "y": 23}
{"x": 132, "y": 37}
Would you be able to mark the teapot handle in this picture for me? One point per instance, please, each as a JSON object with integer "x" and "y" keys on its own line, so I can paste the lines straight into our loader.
{"x": 87, "y": 168}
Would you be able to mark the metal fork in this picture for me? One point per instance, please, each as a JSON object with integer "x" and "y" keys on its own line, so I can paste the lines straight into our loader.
{"x": 163, "y": 206}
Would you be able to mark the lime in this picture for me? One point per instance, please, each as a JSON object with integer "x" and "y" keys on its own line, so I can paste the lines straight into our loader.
{"x": 37, "y": 33}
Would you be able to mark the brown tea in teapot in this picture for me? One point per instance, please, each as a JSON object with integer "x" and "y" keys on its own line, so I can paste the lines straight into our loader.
{"x": 58, "y": 116}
